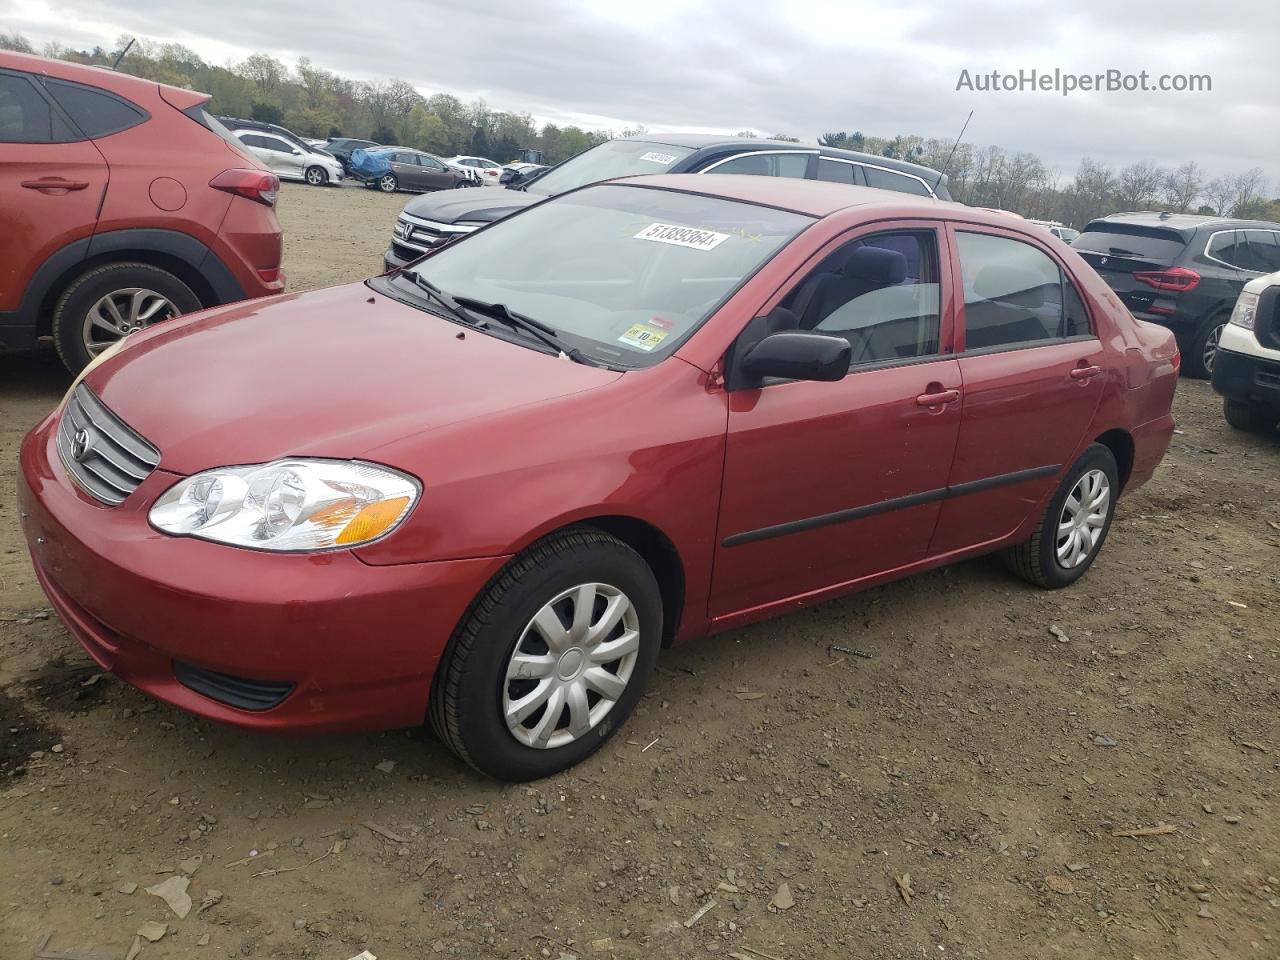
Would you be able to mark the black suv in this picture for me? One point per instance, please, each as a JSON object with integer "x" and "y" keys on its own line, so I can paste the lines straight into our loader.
{"x": 1183, "y": 271}
{"x": 432, "y": 220}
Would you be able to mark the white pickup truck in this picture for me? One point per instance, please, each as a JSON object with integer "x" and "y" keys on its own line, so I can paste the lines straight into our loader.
{"x": 1246, "y": 370}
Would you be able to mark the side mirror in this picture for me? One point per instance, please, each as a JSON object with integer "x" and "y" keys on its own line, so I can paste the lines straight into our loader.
{"x": 798, "y": 355}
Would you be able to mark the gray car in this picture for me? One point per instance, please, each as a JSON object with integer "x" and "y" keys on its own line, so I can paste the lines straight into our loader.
{"x": 417, "y": 171}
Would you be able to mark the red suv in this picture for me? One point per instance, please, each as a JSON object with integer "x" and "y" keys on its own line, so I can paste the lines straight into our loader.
{"x": 125, "y": 203}
{"x": 489, "y": 487}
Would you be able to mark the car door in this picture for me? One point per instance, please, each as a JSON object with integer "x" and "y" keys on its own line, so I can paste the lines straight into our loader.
{"x": 286, "y": 159}
{"x": 435, "y": 175}
{"x": 51, "y": 180}
{"x": 404, "y": 166}
{"x": 1033, "y": 372}
{"x": 826, "y": 484}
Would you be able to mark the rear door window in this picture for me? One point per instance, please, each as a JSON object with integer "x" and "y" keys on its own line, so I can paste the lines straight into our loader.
{"x": 97, "y": 113}
{"x": 793, "y": 165}
{"x": 888, "y": 180}
{"x": 836, "y": 171}
{"x": 25, "y": 115}
{"x": 1014, "y": 294}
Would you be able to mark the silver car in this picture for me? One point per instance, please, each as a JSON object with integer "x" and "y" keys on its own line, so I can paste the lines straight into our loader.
{"x": 289, "y": 161}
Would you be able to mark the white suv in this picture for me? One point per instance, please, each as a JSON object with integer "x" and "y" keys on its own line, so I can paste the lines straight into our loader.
{"x": 1246, "y": 370}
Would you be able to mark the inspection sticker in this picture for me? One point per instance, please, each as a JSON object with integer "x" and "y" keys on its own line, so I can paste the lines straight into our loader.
{"x": 654, "y": 157}
{"x": 690, "y": 237}
{"x": 643, "y": 336}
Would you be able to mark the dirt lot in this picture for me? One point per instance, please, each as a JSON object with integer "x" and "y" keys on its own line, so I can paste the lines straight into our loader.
{"x": 954, "y": 786}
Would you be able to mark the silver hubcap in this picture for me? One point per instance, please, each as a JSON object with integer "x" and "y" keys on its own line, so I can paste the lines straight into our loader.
{"x": 388, "y": 184}
{"x": 121, "y": 313}
{"x": 1211, "y": 347}
{"x": 571, "y": 665}
{"x": 315, "y": 176}
{"x": 1083, "y": 517}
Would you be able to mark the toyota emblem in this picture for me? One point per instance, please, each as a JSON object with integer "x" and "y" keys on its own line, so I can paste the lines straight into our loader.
{"x": 80, "y": 446}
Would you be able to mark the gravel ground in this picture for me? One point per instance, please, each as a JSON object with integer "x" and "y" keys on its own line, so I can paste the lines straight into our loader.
{"x": 960, "y": 784}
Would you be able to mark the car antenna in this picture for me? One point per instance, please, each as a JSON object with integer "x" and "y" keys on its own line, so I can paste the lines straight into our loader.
{"x": 127, "y": 47}
{"x": 943, "y": 172}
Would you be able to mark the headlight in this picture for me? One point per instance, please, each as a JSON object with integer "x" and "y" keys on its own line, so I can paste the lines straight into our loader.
{"x": 294, "y": 505}
{"x": 1246, "y": 311}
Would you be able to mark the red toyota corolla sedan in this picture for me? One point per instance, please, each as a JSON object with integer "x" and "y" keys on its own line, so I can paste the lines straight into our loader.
{"x": 487, "y": 489}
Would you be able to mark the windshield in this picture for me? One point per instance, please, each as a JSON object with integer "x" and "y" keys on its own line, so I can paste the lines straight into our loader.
{"x": 622, "y": 273}
{"x": 617, "y": 158}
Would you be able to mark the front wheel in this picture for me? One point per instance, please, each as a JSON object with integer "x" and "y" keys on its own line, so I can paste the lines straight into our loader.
{"x": 1074, "y": 525}
{"x": 552, "y": 658}
{"x": 1249, "y": 417}
{"x": 317, "y": 176}
{"x": 388, "y": 184}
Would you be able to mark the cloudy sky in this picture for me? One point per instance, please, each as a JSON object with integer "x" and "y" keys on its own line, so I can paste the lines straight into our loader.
{"x": 880, "y": 67}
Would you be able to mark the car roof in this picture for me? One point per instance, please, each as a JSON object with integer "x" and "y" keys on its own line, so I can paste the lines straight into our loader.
{"x": 124, "y": 84}
{"x": 814, "y": 198}
{"x": 1184, "y": 223}
{"x": 701, "y": 141}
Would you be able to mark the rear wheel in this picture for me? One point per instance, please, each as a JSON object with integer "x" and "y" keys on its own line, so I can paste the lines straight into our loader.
{"x": 317, "y": 176}
{"x": 1202, "y": 347}
{"x": 1249, "y": 417}
{"x": 1074, "y": 525}
{"x": 388, "y": 183}
{"x": 552, "y": 658}
{"x": 111, "y": 302}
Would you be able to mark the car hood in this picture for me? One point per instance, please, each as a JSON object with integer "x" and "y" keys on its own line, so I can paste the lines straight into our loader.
{"x": 333, "y": 373}
{"x": 455, "y": 206}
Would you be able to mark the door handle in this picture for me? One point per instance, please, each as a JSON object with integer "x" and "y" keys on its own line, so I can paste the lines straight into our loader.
{"x": 45, "y": 184}
{"x": 1085, "y": 373}
{"x": 938, "y": 399}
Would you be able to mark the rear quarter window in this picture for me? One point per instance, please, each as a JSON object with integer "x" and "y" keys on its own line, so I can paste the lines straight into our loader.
{"x": 887, "y": 180}
{"x": 97, "y": 113}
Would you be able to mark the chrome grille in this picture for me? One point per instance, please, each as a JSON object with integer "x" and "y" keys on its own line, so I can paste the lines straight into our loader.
{"x": 418, "y": 235}
{"x": 100, "y": 451}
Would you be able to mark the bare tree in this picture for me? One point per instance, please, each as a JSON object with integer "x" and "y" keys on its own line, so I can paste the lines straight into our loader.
{"x": 389, "y": 101}
{"x": 1219, "y": 193}
{"x": 16, "y": 42}
{"x": 1182, "y": 186}
{"x": 265, "y": 72}
{"x": 1138, "y": 185}
{"x": 1250, "y": 189}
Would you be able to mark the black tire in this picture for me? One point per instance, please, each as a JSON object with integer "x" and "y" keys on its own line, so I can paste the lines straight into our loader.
{"x": 83, "y": 293}
{"x": 388, "y": 183}
{"x": 1249, "y": 417}
{"x": 1194, "y": 363}
{"x": 316, "y": 176}
{"x": 1036, "y": 560}
{"x": 466, "y": 707}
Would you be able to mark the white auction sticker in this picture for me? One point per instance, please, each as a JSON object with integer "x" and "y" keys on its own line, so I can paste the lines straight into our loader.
{"x": 690, "y": 237}
{"x": 655, "y": 157}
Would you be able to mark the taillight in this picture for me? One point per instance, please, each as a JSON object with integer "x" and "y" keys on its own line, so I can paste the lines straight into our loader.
{"x": 1179, "y": 279}
{"x": 253, "y": 184}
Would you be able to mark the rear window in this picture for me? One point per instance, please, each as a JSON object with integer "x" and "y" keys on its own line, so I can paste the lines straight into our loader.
{"x": 1115, "y": 240}
{"x": 97, "y": 113}
{"x": 211, "y": 123}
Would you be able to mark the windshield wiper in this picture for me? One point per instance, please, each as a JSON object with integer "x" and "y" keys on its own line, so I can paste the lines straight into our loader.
{"x": 535, "y": 328}
{"x": 442, "y": 298}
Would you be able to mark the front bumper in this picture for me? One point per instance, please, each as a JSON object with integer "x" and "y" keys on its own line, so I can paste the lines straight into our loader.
{"x": 1250, "y": 379}
{"x": 352, "y": 646}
